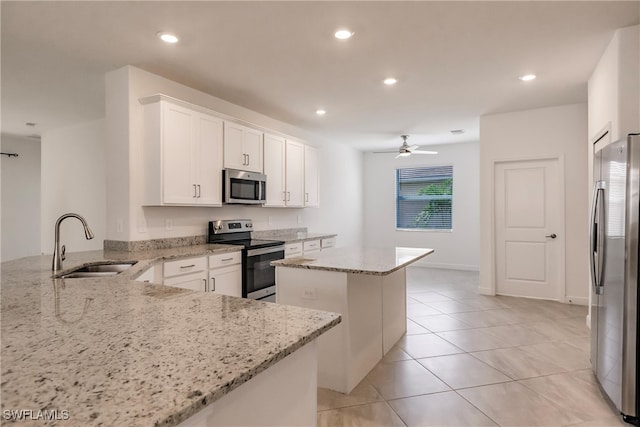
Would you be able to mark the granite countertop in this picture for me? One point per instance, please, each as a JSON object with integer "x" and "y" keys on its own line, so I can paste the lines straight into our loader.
{"x": 359, "y": 260}
{"x": 291, "y": 237}
{"x": 114, "y": 351}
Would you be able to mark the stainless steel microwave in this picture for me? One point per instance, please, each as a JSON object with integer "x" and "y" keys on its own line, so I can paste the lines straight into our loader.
{"x": 243, "y": 187}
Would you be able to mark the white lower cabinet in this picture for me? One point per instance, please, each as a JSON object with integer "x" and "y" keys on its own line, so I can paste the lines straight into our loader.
{"x": 225, "y": 274}
{"x": 311, "y": 246}
{"x": 189, "y": 273}
{"x": 292, "y": 249}
{"x": 327, "y": 243}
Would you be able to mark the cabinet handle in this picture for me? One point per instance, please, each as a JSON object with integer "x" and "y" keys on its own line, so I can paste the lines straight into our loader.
{"x": 213, "y": 283}
{"x": 198, "y": 190}
{"x": 284, "y": 196}
{"x": 188, "y": 266}
{"x": 288, "y": 196}
{"x": 205, "y": 284}
{"x": 226, "y": 259}
{"x": 195, "y": 191}
{"x": 306, "y": 197}
{"x": 248, "y": 159}
{"x": 245, "y": 162}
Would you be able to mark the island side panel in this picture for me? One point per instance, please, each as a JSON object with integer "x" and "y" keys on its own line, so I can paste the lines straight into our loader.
{"x": 285, "y": 394}
{"x": 348, "y": 352}
{"x": 321, "y": 290}
{"x": 394, "y": 308}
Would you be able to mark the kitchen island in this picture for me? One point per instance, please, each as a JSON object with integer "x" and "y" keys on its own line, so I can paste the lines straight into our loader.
{"x": 367, "y": 286}
{"x": 115, "y": 351}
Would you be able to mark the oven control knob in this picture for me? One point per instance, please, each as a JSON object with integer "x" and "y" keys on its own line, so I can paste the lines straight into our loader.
{"x": 248, "y": 225}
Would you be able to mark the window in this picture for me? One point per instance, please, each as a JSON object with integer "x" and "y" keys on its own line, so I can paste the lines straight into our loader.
{"x": 424, "y": 198}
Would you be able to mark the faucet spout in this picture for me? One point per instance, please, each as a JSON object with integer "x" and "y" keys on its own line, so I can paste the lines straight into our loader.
{"x": 58, "y": 255}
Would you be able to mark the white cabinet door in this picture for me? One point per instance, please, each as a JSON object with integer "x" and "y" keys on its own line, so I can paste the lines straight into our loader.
{"x": 311, "y": 246}
{"x": 294, "y": 174}
{"x": 253, "y": 149}
{"x": 292, "y": 249}
{"x": 274, "y": 158}
{"x": 183, "y": 155}
{"x": 311, "y": 179}
{"x": 177, "y": 134}
{"x": 208, "y": 158}
{"x": 193, "y": 281}
{"x": 226, "y": 280}
{"x": 242, "y": 147}
{"x": 234, "y": 156}
{"x": 327, "y": 243}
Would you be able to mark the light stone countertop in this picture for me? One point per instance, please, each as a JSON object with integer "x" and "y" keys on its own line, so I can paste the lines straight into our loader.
{"x": 114, "y": 351}
{"x": 301, "y": 236}
{"x": 358, "y": 259}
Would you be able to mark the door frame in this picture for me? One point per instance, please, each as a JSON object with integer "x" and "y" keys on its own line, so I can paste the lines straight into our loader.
{"x": 562, "y": 289}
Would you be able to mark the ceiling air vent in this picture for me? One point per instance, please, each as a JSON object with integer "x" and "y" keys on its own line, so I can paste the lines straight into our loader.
{"x": 457, "y": 131}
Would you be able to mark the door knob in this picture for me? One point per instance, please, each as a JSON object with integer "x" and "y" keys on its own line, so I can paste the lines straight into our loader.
{"x": 552, "y": 235}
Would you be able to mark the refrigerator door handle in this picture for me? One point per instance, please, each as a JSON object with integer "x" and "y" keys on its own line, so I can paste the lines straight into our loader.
{"x": 597, "y": 237}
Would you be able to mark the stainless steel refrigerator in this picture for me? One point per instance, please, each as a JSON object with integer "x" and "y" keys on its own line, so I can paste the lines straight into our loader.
{"x": 614, "y": 272}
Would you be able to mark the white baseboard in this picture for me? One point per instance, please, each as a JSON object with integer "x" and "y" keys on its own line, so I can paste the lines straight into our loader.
{"x": 576, "y": 300}
{"x": 485, "y": 291}
{"x": 425, "y": 264}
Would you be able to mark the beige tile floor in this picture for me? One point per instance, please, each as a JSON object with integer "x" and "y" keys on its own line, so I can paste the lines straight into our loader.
{"x": 474, "y": 360}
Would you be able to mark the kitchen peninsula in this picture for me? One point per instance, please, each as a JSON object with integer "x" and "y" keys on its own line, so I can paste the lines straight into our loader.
{"x": 116, "y": 351}
{"x": 367, "y": 286}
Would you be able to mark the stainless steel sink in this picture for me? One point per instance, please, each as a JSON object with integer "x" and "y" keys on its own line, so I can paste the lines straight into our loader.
{"x": 97, "y": 270}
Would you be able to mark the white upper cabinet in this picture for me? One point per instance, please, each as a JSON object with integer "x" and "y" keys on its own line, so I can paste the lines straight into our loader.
{"x": 294, "y": 176}
{"x": 284, "y": 167}
{"x": 274, "y": 152}
{"x": 183, "y": 155}
{"x": 242, "y": 147}
{"x": 311, "y": 181}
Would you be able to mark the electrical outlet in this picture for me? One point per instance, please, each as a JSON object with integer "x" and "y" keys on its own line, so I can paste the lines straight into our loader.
{"x": 168, "y": 224}
{"x": 119, "y": 225}
{"x": 310, "y": 293}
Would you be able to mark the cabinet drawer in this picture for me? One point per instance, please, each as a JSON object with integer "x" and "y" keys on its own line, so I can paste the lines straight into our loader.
{"x": 328, "y": 242}
{"x": 293, "y": 249}
{"x": 311, "y": 245}
{"x": 184, "y": 266}
{"x": 222, "y": 260}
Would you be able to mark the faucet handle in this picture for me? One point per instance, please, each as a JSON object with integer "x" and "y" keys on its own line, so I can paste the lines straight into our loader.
{"x": 63, "y": 256}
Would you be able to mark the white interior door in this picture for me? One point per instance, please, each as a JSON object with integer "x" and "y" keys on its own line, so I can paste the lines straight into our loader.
{"x": 529, "y": 212}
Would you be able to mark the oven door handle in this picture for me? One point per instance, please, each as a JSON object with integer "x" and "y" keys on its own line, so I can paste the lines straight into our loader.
{"x": 262, "y": 251}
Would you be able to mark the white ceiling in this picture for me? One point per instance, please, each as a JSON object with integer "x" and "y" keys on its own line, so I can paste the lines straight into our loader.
{"x": 455, "y": 61}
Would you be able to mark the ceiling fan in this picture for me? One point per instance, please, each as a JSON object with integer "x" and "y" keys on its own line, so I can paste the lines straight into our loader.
{"x": 405, "y": 150}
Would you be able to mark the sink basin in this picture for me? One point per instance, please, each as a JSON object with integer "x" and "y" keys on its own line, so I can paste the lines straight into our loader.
{"x": 97, "y": 270}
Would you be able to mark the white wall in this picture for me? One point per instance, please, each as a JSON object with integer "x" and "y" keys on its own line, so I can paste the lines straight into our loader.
{"x": 541, "y": 133}
{"x": 74, "y": 180}
{"x": 20, "y": 198}
{"x": 340, "y": 168}
{"x": 457, "y": 249}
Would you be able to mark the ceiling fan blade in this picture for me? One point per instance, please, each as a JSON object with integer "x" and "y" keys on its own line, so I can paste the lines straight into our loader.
{"x": 413, "y": 147}
{"x": 399, "y": 155}
{"x": 384, "y": 152}
{"x": 423, "y": 152}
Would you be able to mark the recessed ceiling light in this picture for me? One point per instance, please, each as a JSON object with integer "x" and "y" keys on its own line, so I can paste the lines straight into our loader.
{"x": 527, "y": 77}
{"x": 343, "y": 34}
{"x": 321, "y": 112}
{"x": 390, "y": 81}
{"x": 168, "y": 38}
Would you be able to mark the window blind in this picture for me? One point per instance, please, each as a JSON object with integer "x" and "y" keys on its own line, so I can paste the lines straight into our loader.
{"x": 424, "y": 198}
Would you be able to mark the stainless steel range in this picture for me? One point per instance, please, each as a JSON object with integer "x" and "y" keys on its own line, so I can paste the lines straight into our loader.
{"x": 258, "y": 276}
